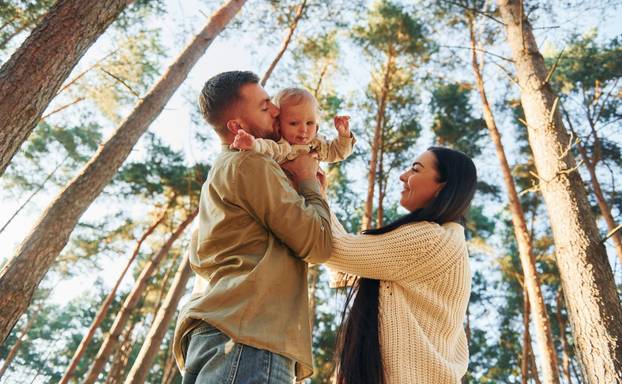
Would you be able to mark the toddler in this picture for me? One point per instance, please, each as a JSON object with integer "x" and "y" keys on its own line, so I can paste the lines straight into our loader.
{"x": 298, "y": 120}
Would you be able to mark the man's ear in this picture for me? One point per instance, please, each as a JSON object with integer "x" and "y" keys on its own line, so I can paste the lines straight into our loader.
{"x": 233, "y": 126}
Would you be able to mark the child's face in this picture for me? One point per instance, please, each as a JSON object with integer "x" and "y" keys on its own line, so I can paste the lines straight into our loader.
{"x": 298, "y": 122}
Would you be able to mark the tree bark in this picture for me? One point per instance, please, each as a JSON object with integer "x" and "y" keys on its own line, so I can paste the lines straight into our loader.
{"x": 121, "y": 357}
{"x": 153, "y": 340}
{"x": 286, "y": 41}
{"x": 533, "y": 294}
{"x": 37, "y": 252}
{"x": 30, "y": 79}
{"x": 15, "y": 348}
{"x": 170, "y": 368}
{"x": 562, "y": 331}
{"x": 375, "y": 147}
{"x": 587, "y": 279}
{"x": 112, "y": 338}
{"x": 103, "y": 310}
{"x": 598, "y": 192}
{"x": 524, "y": 364}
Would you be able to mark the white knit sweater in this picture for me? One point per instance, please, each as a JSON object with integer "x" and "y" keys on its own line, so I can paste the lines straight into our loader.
{"x": 425, "y": 283}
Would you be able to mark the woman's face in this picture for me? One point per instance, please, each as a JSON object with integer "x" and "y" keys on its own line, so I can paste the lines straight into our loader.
{"x": 421, "y": 184}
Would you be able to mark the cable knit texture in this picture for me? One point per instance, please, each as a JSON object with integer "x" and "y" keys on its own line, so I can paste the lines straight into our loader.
{"x": 425, "y": 283}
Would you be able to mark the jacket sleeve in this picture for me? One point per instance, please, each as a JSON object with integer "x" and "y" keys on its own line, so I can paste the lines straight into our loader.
{"x": 412, "y": 251}
{"x": 300, "y": 221}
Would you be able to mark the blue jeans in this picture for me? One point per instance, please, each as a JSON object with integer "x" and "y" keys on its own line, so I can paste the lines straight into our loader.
{"x": 212, "y": 357}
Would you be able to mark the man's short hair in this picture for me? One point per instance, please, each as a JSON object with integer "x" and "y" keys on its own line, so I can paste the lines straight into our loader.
{"x": 220, "y": 93}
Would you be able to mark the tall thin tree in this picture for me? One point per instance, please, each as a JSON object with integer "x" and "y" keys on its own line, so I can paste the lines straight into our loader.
{"x": 153, "y": 340}
{"x": 30, "y": 79}
{"x": 21, "y": 275}
{"x": 112, "y": 338}
{"x": 103, "y": 309}
{"x": 533, "y": 294}
{"x": 587, "y": 279}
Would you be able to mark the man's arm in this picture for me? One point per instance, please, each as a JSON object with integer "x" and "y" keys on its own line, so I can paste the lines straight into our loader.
{"x": 302, "y": 223}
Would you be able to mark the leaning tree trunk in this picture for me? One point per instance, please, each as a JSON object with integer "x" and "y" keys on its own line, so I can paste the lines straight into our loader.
{"x": 524, "y": 364}
{"x": 33, "y": 74}
{"x": 103, "y": 310}
{"x": 112, "y": 338}
{"x": 375, "y": 145}
{"x": 591, "y": 296}
{"x": 153, "y": 340}
{"x": 286, "y": 41}
{"x": 15, "y": 348}
{"x": 35, "y": 255}
{"x": 121, "y": 356}
{"x": 533, "y": 294}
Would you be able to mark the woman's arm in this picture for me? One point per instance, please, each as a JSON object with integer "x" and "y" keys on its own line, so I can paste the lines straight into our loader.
{"x": 412, "y": 251}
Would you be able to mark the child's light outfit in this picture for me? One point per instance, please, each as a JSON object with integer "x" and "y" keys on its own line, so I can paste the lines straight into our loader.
{"x": 330, "y": 151}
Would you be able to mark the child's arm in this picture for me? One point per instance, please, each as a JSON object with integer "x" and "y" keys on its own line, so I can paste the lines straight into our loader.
{"x": 341, "y": 147}
{"x": 276, "y": 150}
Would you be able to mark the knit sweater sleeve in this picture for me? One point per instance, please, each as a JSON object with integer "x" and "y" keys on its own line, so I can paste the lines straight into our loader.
{"x": 413, "y": 251}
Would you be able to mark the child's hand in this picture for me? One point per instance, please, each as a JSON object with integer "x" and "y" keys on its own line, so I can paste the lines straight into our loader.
{"x": 342, "y": 123}
{"x": 243, "y": 140}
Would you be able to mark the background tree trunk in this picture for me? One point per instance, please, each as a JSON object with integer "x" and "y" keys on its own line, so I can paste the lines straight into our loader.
{"x": 33, "y": 74}
{"x": 37, "y": 252}
{"x": 8, "y": 359}
{"x": 103, "y": 310}
{"x": 375, "y": 146}
{"x": 153, "y": 340}
{"x": 531, "y": 281}
{"x": 112, "y": 338}
{"x": 590, "y": 291}
{"x": 286, "y": 41}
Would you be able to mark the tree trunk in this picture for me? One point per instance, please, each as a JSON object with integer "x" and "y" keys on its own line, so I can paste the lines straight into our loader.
{"x": 170, "y": 368}
{"x": 164, "y": 285}
{"x": 112, "y": 338}
{"x": 37, "y": 252}
{"x": 286, "y": 41}
{"x": 591, "y": 296}
{"x": 153, "y": 340}
{"x": 524, "y": 364}
{"x": 15, "y": 348}
{"x": 562, "y": 332}
{"x": 103, "y": 310}
{"x": 531, "y": 279}
{"x": 121, "y": 357}
{"x": 33, "y": 74}
{"x": 375, "y": 147}
{"x": 598, "y": 192}
{"x": 381, "y": 185}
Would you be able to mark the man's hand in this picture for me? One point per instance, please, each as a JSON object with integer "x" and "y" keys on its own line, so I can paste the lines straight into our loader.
{"x": 302, "y": 168}
{"x": 342, "y": 124}
{"x": 243, "y": 140}
{"x": 321, "y": 178}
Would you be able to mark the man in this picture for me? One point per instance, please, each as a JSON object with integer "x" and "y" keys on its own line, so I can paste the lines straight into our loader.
{"x": 247, "y": 320}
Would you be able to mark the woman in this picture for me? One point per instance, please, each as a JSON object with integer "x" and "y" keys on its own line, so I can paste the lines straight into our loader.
{"x": 406, "y": 322}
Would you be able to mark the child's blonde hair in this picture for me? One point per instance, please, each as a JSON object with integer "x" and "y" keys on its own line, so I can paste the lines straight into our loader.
{"x": 295, "y": 96}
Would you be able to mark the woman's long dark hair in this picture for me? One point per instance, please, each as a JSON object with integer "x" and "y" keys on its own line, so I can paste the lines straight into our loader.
{"x": 358, "y": 345}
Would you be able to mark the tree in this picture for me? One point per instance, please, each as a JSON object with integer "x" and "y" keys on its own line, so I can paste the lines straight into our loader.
{"x": 152, "y": 342}
{"x": 112, "y": 339}
{"x": 587, "y": 279}
{"x": 35, "y": 72}
{"x": 396, "y": 44}
{"x": 19, "y": 278}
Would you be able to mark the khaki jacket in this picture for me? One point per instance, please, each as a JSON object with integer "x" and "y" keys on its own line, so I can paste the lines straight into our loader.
{"x": 256, "y": 235}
